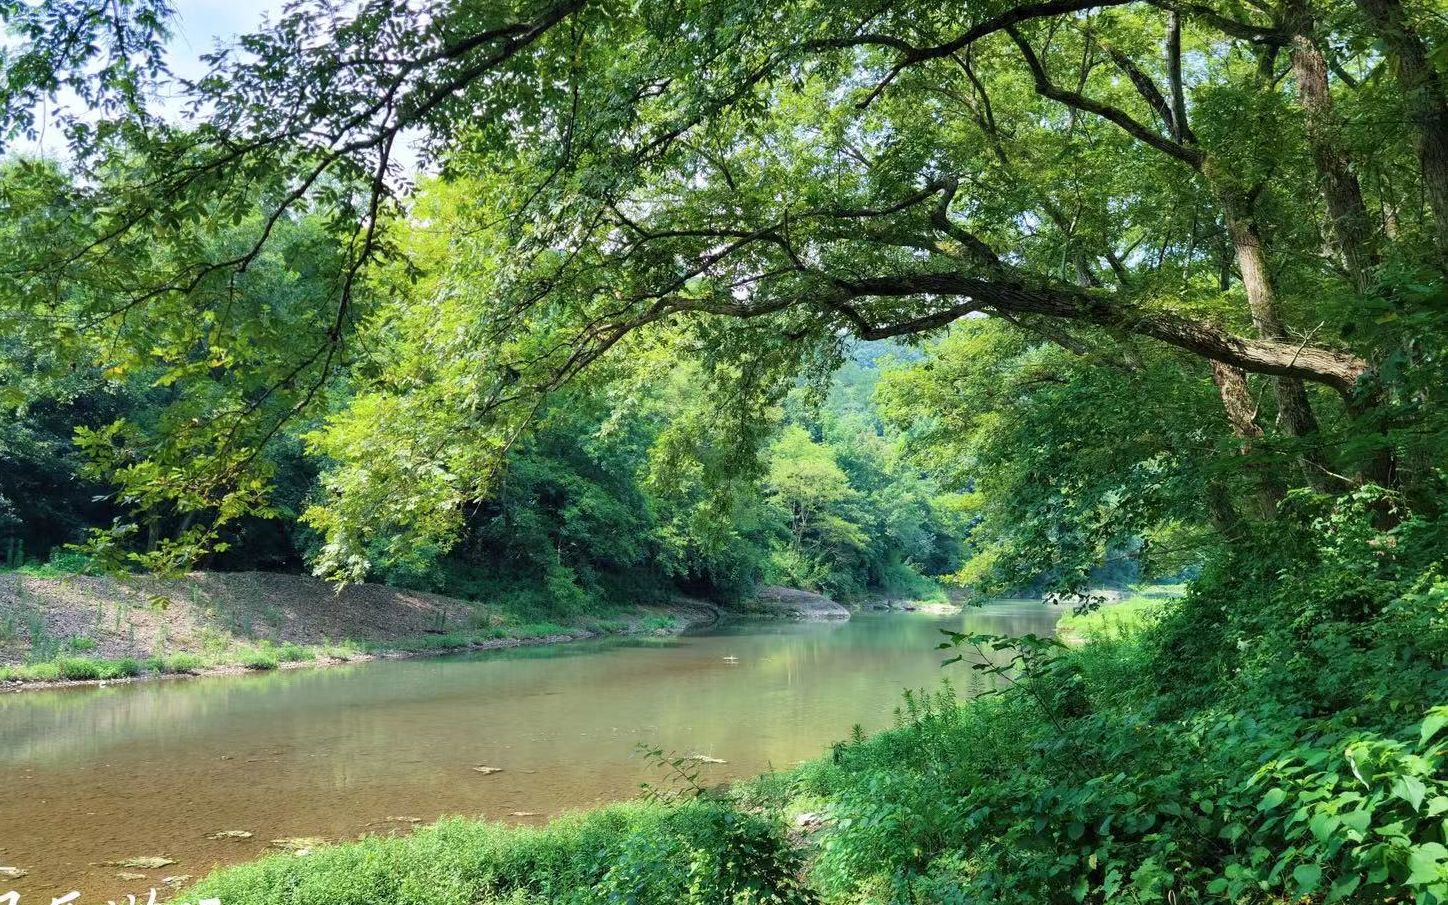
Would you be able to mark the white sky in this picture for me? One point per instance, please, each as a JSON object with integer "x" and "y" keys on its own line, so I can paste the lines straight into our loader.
{"x": 195, "y": 29}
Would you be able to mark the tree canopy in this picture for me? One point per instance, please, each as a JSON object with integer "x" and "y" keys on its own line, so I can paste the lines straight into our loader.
{"x": 1238, "y": 210}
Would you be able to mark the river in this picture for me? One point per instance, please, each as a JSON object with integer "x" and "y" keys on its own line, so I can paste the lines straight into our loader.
{"x": 150, "y": 769}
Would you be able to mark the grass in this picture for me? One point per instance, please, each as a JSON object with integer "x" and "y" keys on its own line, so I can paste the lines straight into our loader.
{"x": 655, "y": 624}
{"x": 295, "y": 653}
{"x": 179, "y": 663}
{"x": 695, "y": 853}
{"x": 60, "y": 565}
{"x": 260, "y": 659}
{"x": 1113, "y": 620}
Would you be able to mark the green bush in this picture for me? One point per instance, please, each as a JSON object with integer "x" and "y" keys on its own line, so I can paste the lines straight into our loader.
{"x": 181, "y": 663}
{"x": 38, "y": 672}
{"x": 539, "y": 630}
{"x": 258, "y": 659}
{"x": 122, "y": 668}
{"x": 293, "y": 653}
{"x": 656, "y": 624}
{"x": 1278, "y": 733}
{"x": 80, "y": 668}
{"x": 696, "y": 853}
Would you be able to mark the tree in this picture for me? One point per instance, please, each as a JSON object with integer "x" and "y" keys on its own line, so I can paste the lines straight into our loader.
{"x": 763, "y": 179}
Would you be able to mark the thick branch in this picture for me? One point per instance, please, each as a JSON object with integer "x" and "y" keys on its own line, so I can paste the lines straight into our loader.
{"x": 1330, "y": 367}
{"x": 1046, "y": 88}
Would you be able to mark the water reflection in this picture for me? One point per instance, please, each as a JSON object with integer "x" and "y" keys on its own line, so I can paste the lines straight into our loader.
{"x": 95, "y": 775}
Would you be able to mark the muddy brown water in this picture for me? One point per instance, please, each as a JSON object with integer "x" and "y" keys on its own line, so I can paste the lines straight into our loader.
{"x": 149, "y": 769}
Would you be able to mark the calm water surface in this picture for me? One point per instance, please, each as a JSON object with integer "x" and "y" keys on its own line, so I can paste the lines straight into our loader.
{"x": 93, "y": 775}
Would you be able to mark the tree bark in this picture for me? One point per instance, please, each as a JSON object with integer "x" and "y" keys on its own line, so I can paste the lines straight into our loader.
{"x": 1349, "y": 226}
{"x": 1012, "y": 294}
{"x": 1424, "y": 98}
{"x": 1241, "y": 412}
{"x": 1293, "y": 407}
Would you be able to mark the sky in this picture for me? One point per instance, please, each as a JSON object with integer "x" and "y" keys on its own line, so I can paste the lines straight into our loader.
{"x": 196, "y": 27}
{"x": 200, "y": 23}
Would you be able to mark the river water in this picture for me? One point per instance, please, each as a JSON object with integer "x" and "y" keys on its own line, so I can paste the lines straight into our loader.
{"x": 150, "y": 769}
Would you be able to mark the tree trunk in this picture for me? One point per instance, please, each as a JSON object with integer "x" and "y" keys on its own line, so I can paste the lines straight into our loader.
{"x": 1241, "y": 412}
{"x": 1424, "y": 99}
{"x": 1348, "y": 224}
{"x": 1293, "y": 407}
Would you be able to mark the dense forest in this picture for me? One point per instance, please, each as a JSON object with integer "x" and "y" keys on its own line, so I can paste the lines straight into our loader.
{"x": 582, "y": 300}
{"x": 620, "y": 493}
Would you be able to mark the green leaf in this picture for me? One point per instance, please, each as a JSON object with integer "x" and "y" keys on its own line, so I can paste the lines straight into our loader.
{"x": 1322, "y": 826}
{"x": 1357, "y": 821}
{"x": 1411, "y": 789}
{"x": 1308, "y": 876}
{"x": 1272, "y": 799}
{"x": 1423, "y": 861}
{"x": 1434, "y": 721}
{"x": 1344, "y": 887}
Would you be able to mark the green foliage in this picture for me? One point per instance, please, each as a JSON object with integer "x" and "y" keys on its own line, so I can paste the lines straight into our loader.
{"x": 1257, "y": 740}
{"x": 293, "y": 653}
{"x": 181, "y": 663}
{"x": 698, "y": 853}
{"x": 259, "y": 659}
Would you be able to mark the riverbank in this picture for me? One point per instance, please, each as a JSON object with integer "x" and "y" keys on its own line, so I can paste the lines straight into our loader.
{"x": 1144, "y": 763}
{"x": 79, "y": 629}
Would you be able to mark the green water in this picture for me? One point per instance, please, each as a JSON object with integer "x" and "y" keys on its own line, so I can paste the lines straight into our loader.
{"x": 94, "y": 775}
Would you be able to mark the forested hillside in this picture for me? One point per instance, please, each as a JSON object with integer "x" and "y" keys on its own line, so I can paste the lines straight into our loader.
{"x": 622, "y": 493}
{"x": 542, "y": 297}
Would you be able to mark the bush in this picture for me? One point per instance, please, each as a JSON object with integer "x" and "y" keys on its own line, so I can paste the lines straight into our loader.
{"x": 38, "y": 672}
{"x": 181, "y": 663}
{"x": 1279, "y": 733}
{"x": 79, "y": 668}
{"x": 293, "y": 653}
{"x": 122, "y": 668}
{"x": 659, "y": 624}
{"x": 258, "y": 659}
{"x": 696, "y": 853}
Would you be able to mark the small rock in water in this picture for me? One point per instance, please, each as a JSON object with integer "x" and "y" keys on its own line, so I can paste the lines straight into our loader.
{"x": 298, "y": 843}
{"x": 125, "y": 875}
{"x": 12, "y": 873}
{"x": 705, "y": 759}
{"x": 488, "y": 771}
{"x": 229, "y": 834}
{"x": 401, "y": 820}
{"x": 144, "y": 863}
{"x": 525, "y": 814}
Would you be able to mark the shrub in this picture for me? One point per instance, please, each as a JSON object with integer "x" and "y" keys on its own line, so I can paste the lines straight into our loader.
{"x": 181, "y": 663}
{"x": 258, "y": 659}
{"x": 293, "y": 653}
{"x": 124, "y": 667}
{"x": 657, "y": 624}
{"x": 80, "y": 668}
{"x": 38, "y": 672}
{"x": 539, "y": 630}
{"x": 1277, "y": 735}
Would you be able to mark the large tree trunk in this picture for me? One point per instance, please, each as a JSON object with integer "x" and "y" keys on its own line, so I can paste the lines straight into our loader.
{"x": 1425, "y": 100}
{"x": 1349, "y": 227}
{"x": 1293, "y": 407}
